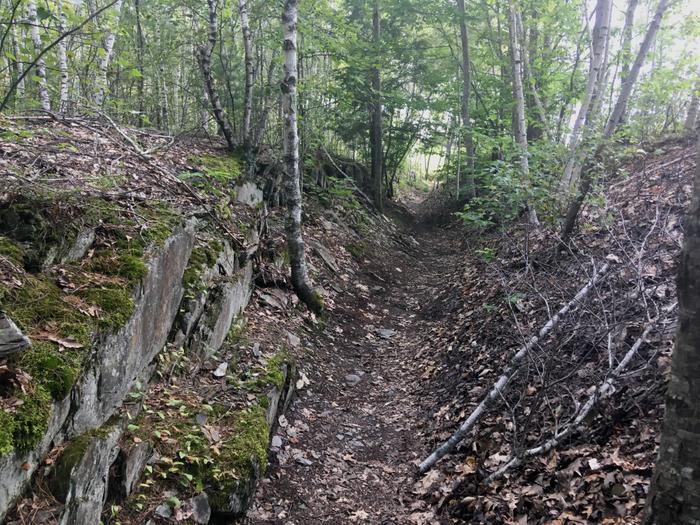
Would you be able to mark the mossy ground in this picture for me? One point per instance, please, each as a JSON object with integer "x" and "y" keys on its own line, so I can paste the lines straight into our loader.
{"x": 67, "y": 303}
{"x": 180, "y": 425}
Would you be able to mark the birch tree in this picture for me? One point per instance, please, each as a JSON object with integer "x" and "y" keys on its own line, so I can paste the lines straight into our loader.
{"x": 204, "y": 58}
{"x": 673, "y": 497}
{"x": 692, "y": 115}
{"x": 599, "y": 43}
{"x": 33, "y": 19}
{"x": 290, "y": 141}
{"x": 248, "y": 93}
{"x": 375, "y": 131}
{"x": 62, "y": 60}
{"x": 614, "y": 121}
{"x": 519, "y": 125}
{"x": 466, "y": 86}
{"x": 106, "y": 56}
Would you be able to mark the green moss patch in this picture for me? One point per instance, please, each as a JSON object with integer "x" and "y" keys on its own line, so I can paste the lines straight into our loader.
{"x": 272, "y": 375}
{"x": 61, "y": 308}
{"x": 56, "y": 371}
{"x": 223, "y": 168}
{"x": 203, "y": 256}
{"x": 31, "y": 419}
{"x": 11, "y": 250}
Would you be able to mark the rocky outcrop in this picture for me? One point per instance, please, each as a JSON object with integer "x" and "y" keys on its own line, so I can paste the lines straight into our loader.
{"x": 12, "y": 340}
{"x": 117, "y": 360}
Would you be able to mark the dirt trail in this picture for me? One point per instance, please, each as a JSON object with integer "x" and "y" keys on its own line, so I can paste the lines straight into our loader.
{"x": 348, "y": 451}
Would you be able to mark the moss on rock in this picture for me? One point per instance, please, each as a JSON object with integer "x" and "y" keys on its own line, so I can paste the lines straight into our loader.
{"x": 11, "y": 250}
{"x": 31, "y": 419}
{"x": 7, "y": 426}
{"x": 243, "y": 457}
{"x": 56, "y": 371}
{"x": 115, "y": 302}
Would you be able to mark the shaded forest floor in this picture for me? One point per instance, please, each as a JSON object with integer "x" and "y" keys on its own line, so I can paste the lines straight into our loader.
{"x": 354, "y": 434}
{"x": 426, "y": 320}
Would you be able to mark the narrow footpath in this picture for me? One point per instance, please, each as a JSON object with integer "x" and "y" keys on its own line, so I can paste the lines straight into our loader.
{"x": 348, "y": 448}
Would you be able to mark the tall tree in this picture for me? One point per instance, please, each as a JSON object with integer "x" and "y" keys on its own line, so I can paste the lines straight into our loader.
{"x": 673, "y": 497}
{"x": 599, "y": 42}
{"x": 519, "y": 123}
{"x": 375, "y": 129}
{"x": 248, "y": 92}
{"x": 290, "y": 141}
{"x": 466, "y": 87}
{"x": 614, "y": 120}
{"x": 101, "y": 84}
{"x": 204, "y": 57}
{"x": 62, "y": 60}
{"x": 692, "y": 115}
{"x": 44, "y": 99}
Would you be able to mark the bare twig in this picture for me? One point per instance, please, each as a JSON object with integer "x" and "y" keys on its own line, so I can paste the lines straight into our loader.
{"x": 511, "y": 370}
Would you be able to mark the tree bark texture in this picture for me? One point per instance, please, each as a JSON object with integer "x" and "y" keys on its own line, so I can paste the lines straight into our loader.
{"x": 44, "y": 99}
{"x": 673, "y": 497}
{"x": 62, "y": 61}
{"x": 376, "y": 116}
{"x": 204, "y": 57}
{"x": 248, "y": 93}
{"x": 519, "y": 123}
{"x": 103, "y": 65}
{"x": 466, "y": 87}
{"x": 290, "y": 140}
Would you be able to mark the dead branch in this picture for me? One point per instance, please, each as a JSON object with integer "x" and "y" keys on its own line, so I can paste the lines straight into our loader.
{"x": 511, "y": 371}
{"x": 602, "y": 391}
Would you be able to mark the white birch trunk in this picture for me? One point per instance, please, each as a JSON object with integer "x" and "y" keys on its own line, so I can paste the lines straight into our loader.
{"x": 519, "y": 125}
{"x": 103, "y": 65}
{"x": 248, "y": 93}
{"x": 62, "y": 61}
{"x": 290, "y": 140}
{"x": 466, "y": 92}
{"x": 620, "y": 108}
{"x": 600, "y": 37}
{"x": 40, "y": 65}
{"x": 511, "y": 370}
{"x": 692, "y": 116}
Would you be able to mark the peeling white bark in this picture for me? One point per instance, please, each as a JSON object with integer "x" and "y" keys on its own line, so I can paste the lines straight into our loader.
{"x": 44, "y": 99}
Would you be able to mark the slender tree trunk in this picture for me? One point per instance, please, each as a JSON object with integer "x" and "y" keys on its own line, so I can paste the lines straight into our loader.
{"x": 204, "y": 58}
{"x": 248, "y": 94}
{"x": 376, "y": 116}
{"x": 673, "y": 497}
{"x": 103, "y": 65}
{"x": 626, "y": 47}
{"x": 600, "y": 37}
{"x": 40, "y": 65}
{"x": 587, "y": 172}
{"x": 519, "y": 125}
{"x": 466, "y": 87}
{"x": 290, "y": 140}
{"x": 692, "y": 116}
{"x": 620, "y": 108}
{"x": 139, "y": 63}
{"x": 62, "y": 61}
{"x": 17, "y": 69}
{"x": 534, "y": 130}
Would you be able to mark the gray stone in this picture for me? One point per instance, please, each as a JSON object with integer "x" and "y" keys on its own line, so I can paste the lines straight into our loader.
{"x": 386, "y": 333}
{"x": 136, "y": 458}
{"x": 12, "y": 340}
{"x": 80, "y": 247}
{"x": 201, "y": 510}
{"x": 163, "y": 511}
{"x": 226, "y": 301}
{"x": 117, "y": 360}
{"x": 89, "y": 478}
{"x": 276, "y": 442}
{"x": 249, "y": 193}
{"x": 352, "y": 379}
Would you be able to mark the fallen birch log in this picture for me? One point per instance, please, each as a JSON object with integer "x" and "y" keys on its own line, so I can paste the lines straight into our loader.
{"x": 605, "y": 388}
{"x": 511, "y": 370}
